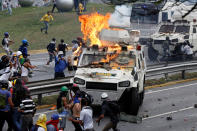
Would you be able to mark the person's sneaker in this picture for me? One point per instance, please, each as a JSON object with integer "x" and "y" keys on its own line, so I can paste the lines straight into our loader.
{"x": 41, "y": 29}
{"x": 46, "y": 32}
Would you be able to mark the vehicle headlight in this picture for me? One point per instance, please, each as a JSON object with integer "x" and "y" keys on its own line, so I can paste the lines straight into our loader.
{"x": 124, "y": 84}
{"x": 79, "y": 81}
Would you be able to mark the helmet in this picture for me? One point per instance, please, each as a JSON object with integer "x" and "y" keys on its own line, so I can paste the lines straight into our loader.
{"x": 18, "y": 53}
{"x": 104, "y": 95}
{"x": 25, "y": 41}
{"x": 6, "y": 34}
{"x": 14, "y": 55}
{"x": 4, "y": 84}
{"x": 64, "y": 88}
{"x": 60, "y": 53}
{"x": 4, "y": 57}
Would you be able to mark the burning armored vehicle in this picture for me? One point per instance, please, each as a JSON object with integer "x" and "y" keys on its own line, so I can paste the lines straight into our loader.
{"x": 113, "y": 63}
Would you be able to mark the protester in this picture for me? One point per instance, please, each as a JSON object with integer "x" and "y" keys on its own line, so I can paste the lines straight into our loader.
{"x": 76, "y": 5}
{"x": 19, "y": 94}
{"x": 166, "y": 48}
{"x": 4, "y": 5}
{"x": 85, "y": 120}
{"x": 21, "y": 59}
{"x": 46, "y": 19}
{"x": 5, "y": 106}
{"x": 9, "y": 7}
{"x": 52, "y": 125}
{"x": 62, "y": 106}
{"x": 5, "y": 62}
{"x": 7, "y": 73}
{"x": 40, "y": 124}
{"x": 54, "y": 6}
{"x": 188, "y": 51}
{"x": 23, "y": 48}
{"x": 51, "y": 50}
{"x": 62, "y": 47}
{"x": 60, "y": 65}
{"x": 75, "y": 45}
{"x": 112, "y": 110}
{"x": 6, "y": 42}
{"x": 25, "y": 69}
{"x": 27, "y": 108}
{"x": 76, "y": 109}
{"x": 16, "y": 68}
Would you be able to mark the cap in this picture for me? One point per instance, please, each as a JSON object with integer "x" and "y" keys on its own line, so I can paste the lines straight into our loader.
{"x": 55, "y": 116}
{"x": 6, "y": 34}
{"x": 64, "y": 88}
{"x": 24, "y": 41}
{"x": 104, "y": 95}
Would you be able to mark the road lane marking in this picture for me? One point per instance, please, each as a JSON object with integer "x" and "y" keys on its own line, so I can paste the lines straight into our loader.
{"x": 167, "y": 113}
{"x": 150, "y": 92}
{"x": 46, "y": 112}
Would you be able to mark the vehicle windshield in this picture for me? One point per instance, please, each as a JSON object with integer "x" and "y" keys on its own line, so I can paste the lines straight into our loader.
{"x": 166, "y": 29}
{"x": 182, "y": 29}
{"x": 122, "y": 61}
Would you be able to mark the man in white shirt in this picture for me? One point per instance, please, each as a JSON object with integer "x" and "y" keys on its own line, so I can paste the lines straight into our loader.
{"x": 188, "y": 51}
{"x": 85, "y": 120}
{"x": 6, "y": 42}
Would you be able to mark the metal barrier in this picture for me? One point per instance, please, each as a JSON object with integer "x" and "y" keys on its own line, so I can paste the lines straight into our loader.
{"x": 51, "y": 85}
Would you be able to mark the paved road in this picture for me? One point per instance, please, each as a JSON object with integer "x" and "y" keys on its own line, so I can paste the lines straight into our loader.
{"x": 176, "y": 101}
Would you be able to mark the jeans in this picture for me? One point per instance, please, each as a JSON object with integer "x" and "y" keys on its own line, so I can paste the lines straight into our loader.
{"x": 9, "y": 10}
{"x": 54, "y": 6}
{"x": 16, "y": 117}
{"x": 27, "y": 122}
{"x": 63, "y": 115}
{"x": 6, "y": 116}
{"x": 76, "y": 4}
{"x": 77, "y": 125}
{"x": 51, "y": 56}
{"x": 46, "y": 26}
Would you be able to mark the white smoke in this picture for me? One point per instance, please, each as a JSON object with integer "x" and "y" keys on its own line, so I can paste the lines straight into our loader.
{"x": 121, "y": 16}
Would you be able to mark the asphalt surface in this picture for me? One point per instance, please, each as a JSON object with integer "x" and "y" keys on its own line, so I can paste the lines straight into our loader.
{"x": 175, "y": 101}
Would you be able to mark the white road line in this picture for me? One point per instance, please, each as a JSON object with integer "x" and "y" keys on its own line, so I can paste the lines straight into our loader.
{"x": 46, "y": 112}
{"x": 167, "y": 113}
{"x": 173, "y": 88}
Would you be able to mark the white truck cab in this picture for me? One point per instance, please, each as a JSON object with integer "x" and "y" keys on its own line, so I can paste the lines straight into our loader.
{"x": 117, "y": 69}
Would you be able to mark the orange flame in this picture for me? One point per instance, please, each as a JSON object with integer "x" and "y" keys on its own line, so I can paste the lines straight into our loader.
{"x": 91, "y": 25}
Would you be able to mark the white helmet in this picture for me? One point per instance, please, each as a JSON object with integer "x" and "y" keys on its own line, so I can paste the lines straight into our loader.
{"x": 60, "y": 53}
{"x": 18, "y": 53}
{"x": 104, "y": 95}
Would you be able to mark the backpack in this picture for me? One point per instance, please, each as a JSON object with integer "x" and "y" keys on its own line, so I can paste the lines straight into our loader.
{"x": 114, "y": 107}
{"x": 2, "y": 101}
{"x": 3, "y": 42}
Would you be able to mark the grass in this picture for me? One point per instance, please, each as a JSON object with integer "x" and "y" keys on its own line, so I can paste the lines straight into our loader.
{"x": 25, "y": 23}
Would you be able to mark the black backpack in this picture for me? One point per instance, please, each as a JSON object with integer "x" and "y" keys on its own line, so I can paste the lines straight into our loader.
{"x": 113, "y": 105}
{"x": 3, "y": 41}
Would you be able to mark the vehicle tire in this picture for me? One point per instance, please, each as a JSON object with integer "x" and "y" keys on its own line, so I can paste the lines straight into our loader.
{"x": 134, "y": 102}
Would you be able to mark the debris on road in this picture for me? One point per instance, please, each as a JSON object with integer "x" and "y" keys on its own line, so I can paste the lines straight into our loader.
{"x": 173, "y": 104}
{"x": 169, "y": 118}
{"x": 159, "y": 99}
{"x": 195, "y": 105}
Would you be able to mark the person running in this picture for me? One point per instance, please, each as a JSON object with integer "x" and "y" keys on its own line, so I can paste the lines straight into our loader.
{"x": 60, "y": 65}
{"x": 5, "y": 106}
{"x": 6, "y": 42}
{"x": 27, "y": 108}
{"x": 62, "y": 47}
{"x": 9, "y": 7}
{"x": 62, "y": 106}
{"x": 54, "y": 6}
{"x": 85, "y": 120}
{"x": 46, "y": 19}
{"x": 23, "y": 48}
{"x": 25, "y": 69}
{"x": 109, "y": 108}
{"x": 51, "y": 50}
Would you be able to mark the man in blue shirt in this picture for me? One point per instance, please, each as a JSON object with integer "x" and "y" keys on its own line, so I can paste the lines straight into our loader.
{"x": 23, "y": 48}
{"x": 5, "y": 105}
{"x": 60, "y": 65}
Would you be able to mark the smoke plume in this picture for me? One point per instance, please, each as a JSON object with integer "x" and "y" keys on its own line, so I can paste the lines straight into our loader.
{"x": 121, "y": 16}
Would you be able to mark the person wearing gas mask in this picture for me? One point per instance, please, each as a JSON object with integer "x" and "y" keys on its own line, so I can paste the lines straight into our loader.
{"x": 60, "y": 65}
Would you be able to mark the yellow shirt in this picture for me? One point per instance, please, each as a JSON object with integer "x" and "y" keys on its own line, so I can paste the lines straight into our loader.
{"x": 47, "y": 18}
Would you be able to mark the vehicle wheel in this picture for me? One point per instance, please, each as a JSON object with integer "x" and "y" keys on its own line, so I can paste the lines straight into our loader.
{"x": 134, "y": 102}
